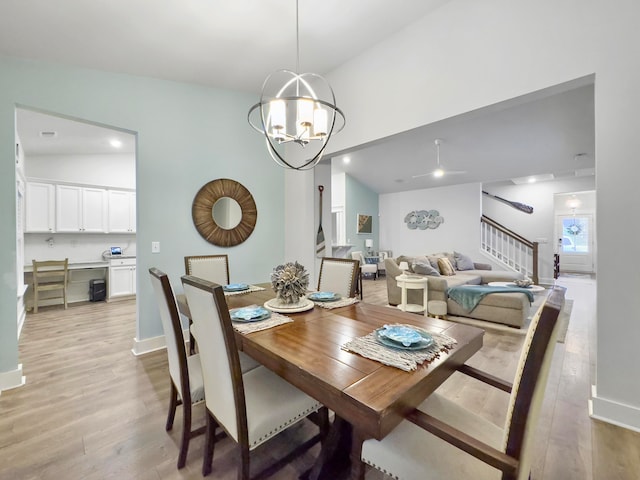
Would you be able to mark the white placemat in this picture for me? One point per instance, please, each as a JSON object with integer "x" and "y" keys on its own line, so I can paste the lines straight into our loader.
{"x": 249, "y": 327}
{"x": 406, "y": 360}
{"x": 252, "y": 288}
{"x": 343, "y": 302}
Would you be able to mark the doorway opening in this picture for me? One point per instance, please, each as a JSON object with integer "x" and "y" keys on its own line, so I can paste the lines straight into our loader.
{"x": 76, "y": 199}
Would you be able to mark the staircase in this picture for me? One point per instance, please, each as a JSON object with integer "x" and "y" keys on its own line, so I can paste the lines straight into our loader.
{"x": 509, "y": 249}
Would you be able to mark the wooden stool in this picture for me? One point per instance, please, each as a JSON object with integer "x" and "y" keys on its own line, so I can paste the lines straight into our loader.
{"x": 437, "y": 308}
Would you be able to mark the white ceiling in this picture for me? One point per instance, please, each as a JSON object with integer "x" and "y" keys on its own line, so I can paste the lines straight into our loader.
{"x": 236, "y": 44}
{"x": 231, "y": 44}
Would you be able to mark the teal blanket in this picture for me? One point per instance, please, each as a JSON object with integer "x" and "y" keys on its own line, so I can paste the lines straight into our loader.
{"x": 468, "y": 296}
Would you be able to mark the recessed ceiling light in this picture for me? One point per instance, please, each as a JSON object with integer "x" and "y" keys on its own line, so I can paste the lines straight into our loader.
{"x": 116, "y": 143}
{"x": 346, "y": 160}
{"x": 48, "y": 134}
{"x": 533, "y": 178}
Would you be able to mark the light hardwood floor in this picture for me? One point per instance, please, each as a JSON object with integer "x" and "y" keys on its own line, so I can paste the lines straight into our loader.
{"x": 92, "y": 410}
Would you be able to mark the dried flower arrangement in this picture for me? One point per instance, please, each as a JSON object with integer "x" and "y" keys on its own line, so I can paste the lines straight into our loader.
{"x": 290, "y": 282}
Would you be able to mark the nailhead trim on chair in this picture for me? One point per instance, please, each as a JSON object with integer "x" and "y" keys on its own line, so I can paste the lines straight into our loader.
{"x": 279, "y": 428}
{"x": 395, "y": 477}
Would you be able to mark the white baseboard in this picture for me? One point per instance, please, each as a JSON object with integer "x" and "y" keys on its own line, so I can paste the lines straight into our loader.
{"x": 148, "y": 345}
{"x": 12, "y": 379}
{"x": 610, "y": 411}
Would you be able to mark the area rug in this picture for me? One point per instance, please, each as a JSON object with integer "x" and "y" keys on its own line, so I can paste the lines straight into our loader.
{"x": 565, "y": 316}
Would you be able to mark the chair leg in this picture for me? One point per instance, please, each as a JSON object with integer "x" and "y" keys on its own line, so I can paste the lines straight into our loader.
{"x": 358, "y": 467}
{"x": 186, "y": 433}
{"x": 173, "y": 403}
{"x": 323, "y": 423}
{"x": 35, "y": 300}
{"x": 64, "y": 294}
{"x": 209, "y": 444}
{"x": 245, "y": 464}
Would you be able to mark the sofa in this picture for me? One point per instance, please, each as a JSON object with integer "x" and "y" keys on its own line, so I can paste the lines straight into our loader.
{"x": 506, "y": 308}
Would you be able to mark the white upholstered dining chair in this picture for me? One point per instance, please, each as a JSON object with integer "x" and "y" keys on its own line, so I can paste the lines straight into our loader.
{"x": 251, "y": 407}
{"x": 214, "y": 268}
{"x": 442, "y": 440}
{"x": 339, "y": 275}
{"x": 186, "y": 375}
{"x": 365, "y": 268}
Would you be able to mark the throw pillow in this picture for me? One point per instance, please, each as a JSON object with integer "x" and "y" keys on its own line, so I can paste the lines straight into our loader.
{"x": 445, "y": 267}
{"x": 433, "y": 260}
{"x": 463, "y": 262}
{"x": 423, "y": 268}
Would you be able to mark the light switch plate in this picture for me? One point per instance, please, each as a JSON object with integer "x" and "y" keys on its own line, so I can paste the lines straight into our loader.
{"x": 155, "y": 247}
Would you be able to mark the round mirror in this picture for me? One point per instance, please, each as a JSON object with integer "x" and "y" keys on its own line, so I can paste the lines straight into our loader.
{"x": 224, "y": 212}
{"x": 227, "y": 213}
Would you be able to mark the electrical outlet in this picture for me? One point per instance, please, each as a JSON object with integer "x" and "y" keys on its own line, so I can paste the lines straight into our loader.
{"x": 155, "y": 247}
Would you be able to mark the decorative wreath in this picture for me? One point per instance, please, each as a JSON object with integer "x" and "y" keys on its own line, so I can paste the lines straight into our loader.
{"x": 574, "y": 229}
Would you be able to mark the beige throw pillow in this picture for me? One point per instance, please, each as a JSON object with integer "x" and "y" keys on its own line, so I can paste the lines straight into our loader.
{"x": 445, "y": 267}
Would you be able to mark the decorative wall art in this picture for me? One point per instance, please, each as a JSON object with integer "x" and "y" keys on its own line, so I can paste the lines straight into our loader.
{"x": 365, "y": 223}
{"x": 423, "y": 219}
{"x": 233, "y": 226}
{"x": 517, "y": 205}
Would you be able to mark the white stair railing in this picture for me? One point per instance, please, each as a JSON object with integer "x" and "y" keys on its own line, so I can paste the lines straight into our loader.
{"x": 509, "y": 249}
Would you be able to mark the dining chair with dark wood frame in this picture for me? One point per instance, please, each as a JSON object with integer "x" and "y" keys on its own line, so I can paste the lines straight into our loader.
{"x": 339, "y": 275}
{"x": 431, "y": 441}
{"x": 185, "y": 371}
{"x": 253, "y": 406}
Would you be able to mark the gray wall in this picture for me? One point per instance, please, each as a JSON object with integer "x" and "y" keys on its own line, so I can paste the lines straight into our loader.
{"x": 187, "y": 135}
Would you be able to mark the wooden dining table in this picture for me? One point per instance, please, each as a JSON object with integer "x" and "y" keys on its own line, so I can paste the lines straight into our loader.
{"x": 365, "y": 395}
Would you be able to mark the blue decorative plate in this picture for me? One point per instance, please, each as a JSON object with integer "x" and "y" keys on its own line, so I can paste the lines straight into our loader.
{"x": 404, "y": 338}
{"x": 235, "y": 287}
{"x": 250, "y": 314}
{"x": 324, "y": 296}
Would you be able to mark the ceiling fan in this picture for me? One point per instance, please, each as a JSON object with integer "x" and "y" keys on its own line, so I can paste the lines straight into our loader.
{"x": 440, "y": 171}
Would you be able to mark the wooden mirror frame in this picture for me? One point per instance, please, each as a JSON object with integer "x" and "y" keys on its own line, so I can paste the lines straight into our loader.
{"x": 202, "y": 212}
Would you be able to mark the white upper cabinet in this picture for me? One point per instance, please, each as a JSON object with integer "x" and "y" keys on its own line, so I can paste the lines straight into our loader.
{"x": 40, "y": 207}
{"x": 122, "y": 211}
{"x": 81, "y": 209}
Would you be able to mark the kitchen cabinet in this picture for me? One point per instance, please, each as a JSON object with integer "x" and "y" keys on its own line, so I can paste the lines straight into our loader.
{"x": 40, "y": 207}
{"x": 81, "y": 209}
{"x": 122, "y": 277}
{"x": 122, "y": 211}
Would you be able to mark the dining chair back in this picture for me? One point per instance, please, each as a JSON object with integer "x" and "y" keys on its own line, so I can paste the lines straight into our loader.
{"x": 214, "y": 268}
{"x": 251, "y": 407}
{"x": 185, "y": 371}
{"x": 429, "y": 442}
{"x": 48, "y": 276}
{"x": 339, "y": 275}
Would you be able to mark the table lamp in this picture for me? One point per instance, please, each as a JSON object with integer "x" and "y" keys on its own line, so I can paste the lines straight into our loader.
{"x": 369, "y": 244}
{"x": 404, "y": 266}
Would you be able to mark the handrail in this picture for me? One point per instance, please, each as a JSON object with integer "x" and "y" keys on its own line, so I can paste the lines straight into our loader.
{"x": 533, "y": 246}
{"x": 504, "y": 229}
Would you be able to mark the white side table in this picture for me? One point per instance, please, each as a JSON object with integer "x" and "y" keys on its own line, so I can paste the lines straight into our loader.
{"x": 413, "y": 282}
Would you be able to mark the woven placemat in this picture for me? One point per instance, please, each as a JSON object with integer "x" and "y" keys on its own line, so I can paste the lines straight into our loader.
{"x": 252, "y": 288}
{"x": 343, "y": 302}
{"x": 406, "y": 360}
{"x": 249, "y": 327}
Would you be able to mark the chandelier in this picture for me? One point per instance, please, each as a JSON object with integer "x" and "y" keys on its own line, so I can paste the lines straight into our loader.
{"x": 296, "y": 110}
